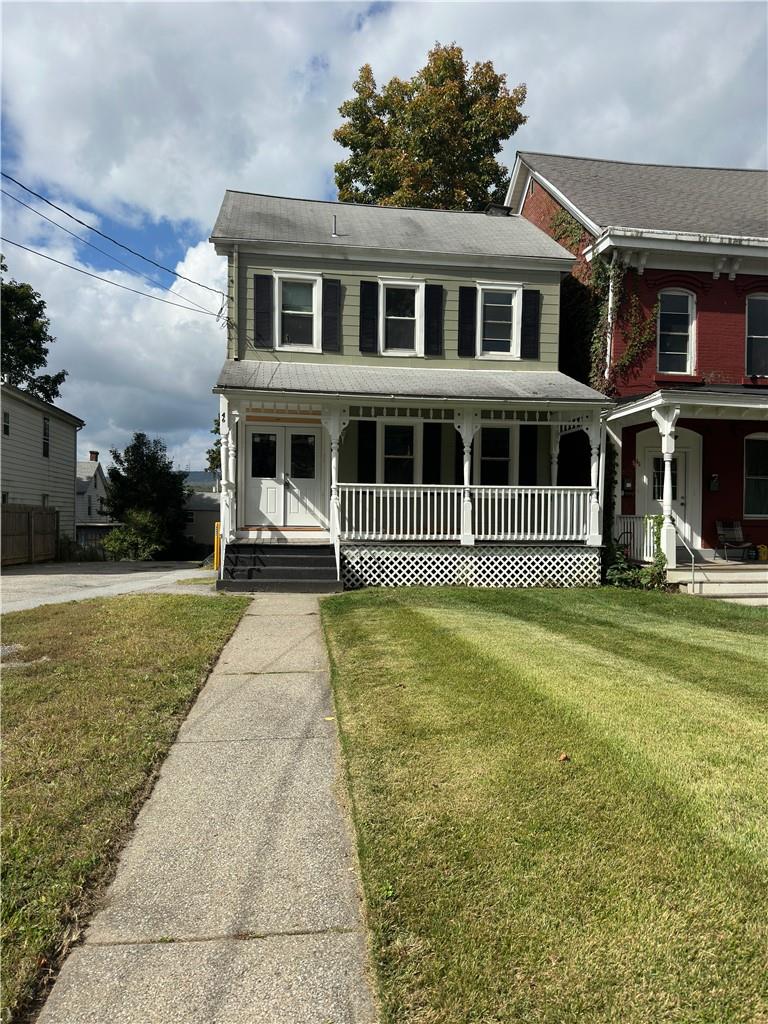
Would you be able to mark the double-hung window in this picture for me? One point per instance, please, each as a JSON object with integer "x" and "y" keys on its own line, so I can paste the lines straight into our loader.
{"x": 297, "y": 312}
{"x": 498, "y": 321}
{"x": 401, "y": 318}
{"x": 757, "y": 335}
{"x": 756, "y": 475}
{"x": 46, "y": 437}
{"x": 399, "y": 453}
{"x": 675, "y": 332}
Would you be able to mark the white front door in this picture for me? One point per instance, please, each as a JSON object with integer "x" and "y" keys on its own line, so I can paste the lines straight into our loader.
{"x": 655, "y": 492}
{"x": 283, "y": 485}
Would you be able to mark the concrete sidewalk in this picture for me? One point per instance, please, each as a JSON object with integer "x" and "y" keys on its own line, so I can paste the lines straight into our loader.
{"x": 237, "y": 899}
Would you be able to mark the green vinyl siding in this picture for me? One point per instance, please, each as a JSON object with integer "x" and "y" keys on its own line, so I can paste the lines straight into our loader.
{"x": 350, "y": 276}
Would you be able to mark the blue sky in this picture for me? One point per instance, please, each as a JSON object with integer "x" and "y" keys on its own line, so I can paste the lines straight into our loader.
{"x": 138, "y": 116}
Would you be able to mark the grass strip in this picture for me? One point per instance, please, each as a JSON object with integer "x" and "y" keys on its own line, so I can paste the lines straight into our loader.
{"x": 88, "y": 716}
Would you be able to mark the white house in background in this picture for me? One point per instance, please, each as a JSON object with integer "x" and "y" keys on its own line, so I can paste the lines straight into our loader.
{"x": 202, "y": 506}
{"x": 39, "y": 455}
{"x": 92, "y": 521}
{"x": 391, "y": 405}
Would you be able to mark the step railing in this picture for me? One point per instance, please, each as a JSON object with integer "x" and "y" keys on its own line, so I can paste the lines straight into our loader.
{"x": 388, "y": 512}
{"x": 635, "y": 533}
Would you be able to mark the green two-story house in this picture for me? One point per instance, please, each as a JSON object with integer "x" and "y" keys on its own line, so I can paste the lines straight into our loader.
{"x": 391, "y": 405}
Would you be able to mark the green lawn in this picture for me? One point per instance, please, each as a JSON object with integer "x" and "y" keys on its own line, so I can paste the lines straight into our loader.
{"x": 626, "y": 881}
{"x": 85, "y": 724}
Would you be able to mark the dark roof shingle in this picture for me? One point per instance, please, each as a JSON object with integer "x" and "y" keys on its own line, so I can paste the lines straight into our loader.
{"x": 702, "y": 200}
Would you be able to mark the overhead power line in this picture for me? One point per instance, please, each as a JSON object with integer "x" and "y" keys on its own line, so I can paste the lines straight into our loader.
{"x": 105, "y": 280}
{"x": 109, "y": 238}
{"x": 109, "y": 255}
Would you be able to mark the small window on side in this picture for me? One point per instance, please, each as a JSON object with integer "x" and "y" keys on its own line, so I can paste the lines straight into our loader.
{"x": 46, "y": 437}
{"x": 6, "y": 424}
{"x": 44, "y": 500}
{"x": 5, "y": 497}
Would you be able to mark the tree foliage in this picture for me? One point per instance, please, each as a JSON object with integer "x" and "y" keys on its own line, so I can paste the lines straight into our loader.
{"x": 26, "y": 338}
{"x": 139, "y": 538}
{"x": 143, "y": 479}
{"x": 213, "y": 454}
{"x": 432, "y": 140}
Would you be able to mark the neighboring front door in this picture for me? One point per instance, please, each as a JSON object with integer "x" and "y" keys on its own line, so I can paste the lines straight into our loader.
{"x": 283, "y": 485}
{"x": 655, "y": 475}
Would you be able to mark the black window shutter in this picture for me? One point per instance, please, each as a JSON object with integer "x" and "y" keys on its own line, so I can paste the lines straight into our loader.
{"x": 366, "y": 451}
{"x": 530, "y": 325}
{"x": 467, "y": 322}
{"x": 263, "y": 287}
{"x": 369, "y": 317}
{"x": 331, "y": 315}
{"x": 433, "y": 320}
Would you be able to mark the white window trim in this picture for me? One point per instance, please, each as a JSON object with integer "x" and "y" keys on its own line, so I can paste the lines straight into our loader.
{"x": 690, "y": 368}
{"x": 517, "y": 301}
{"x": 754, "y": 295}
{"x": 418, "y": 447}
{"x": 280, "y": 276}
{"x": 418, "y": 286}
{"x": 759, "y": 436}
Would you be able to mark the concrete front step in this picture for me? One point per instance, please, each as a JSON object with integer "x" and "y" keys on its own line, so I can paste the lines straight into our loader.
{"x": 731, "y": 588}
{"x": 756, "y": 600}
{"x": 281, "y": 572}
{"x": 285, "y": 586}
{"x": 754, "y": 575}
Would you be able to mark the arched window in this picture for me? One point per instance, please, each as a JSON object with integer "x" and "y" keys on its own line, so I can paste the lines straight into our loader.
{"x": 757, "y": 335}
{"x": 675, "y": 331}
{"x": 756, "y": 475}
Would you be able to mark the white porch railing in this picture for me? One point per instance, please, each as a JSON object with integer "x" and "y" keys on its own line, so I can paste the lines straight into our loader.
{"x": 531, "y": 513}
{"x": 378, "y": 512}
{"x": 390, "y": 512}
{"x": 636, "y": 534}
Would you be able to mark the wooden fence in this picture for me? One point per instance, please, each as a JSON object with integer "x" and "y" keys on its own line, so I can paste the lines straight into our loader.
{"x": 30, "y": 533}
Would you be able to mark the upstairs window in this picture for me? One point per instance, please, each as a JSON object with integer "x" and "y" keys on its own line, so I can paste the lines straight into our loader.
{"x": 401, "y": 318}
{"x": 46, "y": 437}
{"x": 298, "y": 312}
{"x": 497, "y": 314}
{"x": 756, "y": 475}
{"x": 757, "y": 336}
{"x": 675, "y": 332}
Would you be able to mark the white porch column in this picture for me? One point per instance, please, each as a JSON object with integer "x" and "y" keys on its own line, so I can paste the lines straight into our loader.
{"x": 467, "y": 423}
{"x": 666, "y": 418}
{"x": 554, "y": 453}
{"x": 335, "y": 420}
{"x": 594, "y": 536}
{"x": 229, "y": 455}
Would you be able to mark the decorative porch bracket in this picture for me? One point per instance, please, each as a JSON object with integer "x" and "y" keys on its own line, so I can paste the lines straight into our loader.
{"x": 335, "y": 420}
{"x": 467, "y": 422}
{"x": 665, "y": 418}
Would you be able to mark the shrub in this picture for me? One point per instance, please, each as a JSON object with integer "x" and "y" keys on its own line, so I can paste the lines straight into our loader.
{"x": 139, "y": 539}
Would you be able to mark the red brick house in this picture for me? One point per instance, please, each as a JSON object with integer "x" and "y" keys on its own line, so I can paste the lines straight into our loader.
{"x": 686, "y": 248}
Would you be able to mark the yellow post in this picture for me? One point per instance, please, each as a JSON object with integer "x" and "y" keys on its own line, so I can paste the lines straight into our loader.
{"x": 216, "y": 546}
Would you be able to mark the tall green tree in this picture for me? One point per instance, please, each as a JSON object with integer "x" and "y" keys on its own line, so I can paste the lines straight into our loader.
{"x": 213, "y": 454}
{"x": 143, "y": 480}
{"x": 431, "y": 140}
{"x": 26, "y": 338}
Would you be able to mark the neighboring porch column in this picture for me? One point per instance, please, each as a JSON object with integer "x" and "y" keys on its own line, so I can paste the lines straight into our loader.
{"x": 554, "y": 453}
{"x": 335, "y": 420}
{"x": 594, "y": 537}
{"x": 666, "y": 418}
{"x": 467, "y": 423}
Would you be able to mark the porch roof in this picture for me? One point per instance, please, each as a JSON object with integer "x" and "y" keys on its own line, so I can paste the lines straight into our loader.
{"x": 716, "y": 401}
{"x": 350, "y": 380}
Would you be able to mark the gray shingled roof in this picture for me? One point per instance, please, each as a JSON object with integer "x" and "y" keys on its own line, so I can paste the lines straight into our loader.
{"x": 251, "y": 217}
{"x": 704, "y": 200}
{"x": 353, "y": 380}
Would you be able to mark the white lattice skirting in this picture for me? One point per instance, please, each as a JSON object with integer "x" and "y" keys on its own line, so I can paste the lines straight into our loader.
{"x": 425, "y": 565}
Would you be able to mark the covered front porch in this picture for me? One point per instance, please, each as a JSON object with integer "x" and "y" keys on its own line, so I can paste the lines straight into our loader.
{"x": 413, "y": 489}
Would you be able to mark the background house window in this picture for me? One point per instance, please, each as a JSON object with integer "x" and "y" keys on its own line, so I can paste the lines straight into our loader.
{"x": 757, "y": 335}
{"x": 399, "y": 454}
{"x": 494, "y": 456}
{"x": 399, "y": 318}
{"x": 675, "y": 329}
{"x": 46, "y": 437}
{"x": 297, "y": 317}
{"x": 756, "y": 475}
{"x": 6, "y": 423}
{"x": 5, "y": 497}
{"x": 189, "y": 517}
{"x": 44, "y": 500}
{"x": 90, "y": 506}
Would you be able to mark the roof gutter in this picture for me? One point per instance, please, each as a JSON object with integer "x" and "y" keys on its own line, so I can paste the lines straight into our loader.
{"x": 618, "y": 237}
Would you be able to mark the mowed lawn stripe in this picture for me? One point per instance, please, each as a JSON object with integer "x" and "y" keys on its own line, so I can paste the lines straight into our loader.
{"x": 503, "y": 884}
